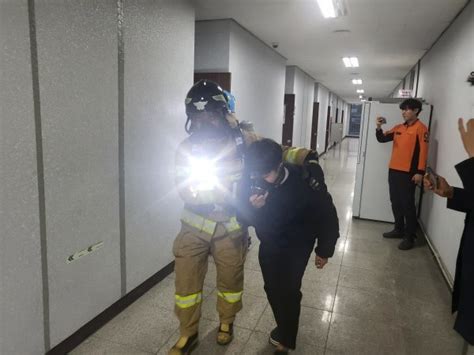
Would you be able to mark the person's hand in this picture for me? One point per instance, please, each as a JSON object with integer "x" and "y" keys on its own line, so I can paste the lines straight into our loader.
{"x": 417, "y": 179}
{"x": 379, "y": 122}
{"x": 443, "y": 189}
{"x": 427, "y": 182}
{"x": 467, "y": 135}
{"x": 258, "y": 201}
{"x": 320, "y": 262}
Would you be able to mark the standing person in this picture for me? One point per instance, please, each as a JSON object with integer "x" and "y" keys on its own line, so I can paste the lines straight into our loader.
{"x": 406, "y": 169}
{"x": 288, "y": 217}
{"x": 462, "y": 200}
{"x": 209, "y": 167}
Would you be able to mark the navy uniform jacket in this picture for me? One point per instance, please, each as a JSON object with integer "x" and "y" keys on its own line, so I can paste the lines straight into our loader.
{"x": 463, "y": 291}
{"x": 296, "y": 215}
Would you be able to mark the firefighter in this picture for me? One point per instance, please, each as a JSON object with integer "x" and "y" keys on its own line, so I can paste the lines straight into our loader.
{"x": 406, "y": 169}
{"x": 209, "y": 167}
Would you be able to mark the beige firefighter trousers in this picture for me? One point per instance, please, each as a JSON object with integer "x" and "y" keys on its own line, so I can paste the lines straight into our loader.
{"x": 191, "y": 249}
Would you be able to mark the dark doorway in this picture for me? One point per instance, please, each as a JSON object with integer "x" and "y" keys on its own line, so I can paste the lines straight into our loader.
{"x": 342, "y": 116}
{"x": 223, "y": 79}
{"x": 328, "y": 129}
{"x": 314, "y": 126}
{"x": 337, "y": 114}
{"x": 287, "y": 135}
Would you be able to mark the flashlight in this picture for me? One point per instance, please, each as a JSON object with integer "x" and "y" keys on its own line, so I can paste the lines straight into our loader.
{"x": 203, "y": 174}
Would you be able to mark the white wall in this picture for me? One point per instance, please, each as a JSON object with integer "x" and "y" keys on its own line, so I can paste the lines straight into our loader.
{"x": 302, "y": 85}
{"x": 212, "y": 43}
{"x": 257, "y": 72}
{"x": 21, "y": 305}
{"x": 443, "y": 83}
{"x": 158, "y": 73}
{"x": 79, "y": 75}
{"x": 258, "y": 82}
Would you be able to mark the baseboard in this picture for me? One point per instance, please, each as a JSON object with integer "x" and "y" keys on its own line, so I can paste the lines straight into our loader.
{"x": 439, "y": 261}
{"x": 95, "y": 324}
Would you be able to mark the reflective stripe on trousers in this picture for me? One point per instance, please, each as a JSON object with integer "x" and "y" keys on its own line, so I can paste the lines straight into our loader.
{"x": 231, "y": 297}
{"x": 188, "y": 301}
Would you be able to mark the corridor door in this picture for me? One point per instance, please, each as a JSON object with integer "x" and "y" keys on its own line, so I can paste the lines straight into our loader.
{"x": 289, "y": 114}
{"x": 314, "y": 126}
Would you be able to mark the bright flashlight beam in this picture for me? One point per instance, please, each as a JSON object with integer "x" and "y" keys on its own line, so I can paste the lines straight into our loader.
{"x": 203, "y": 174}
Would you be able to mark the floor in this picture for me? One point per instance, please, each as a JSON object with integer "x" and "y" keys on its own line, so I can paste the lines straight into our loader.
{"x": 370, "y": 298}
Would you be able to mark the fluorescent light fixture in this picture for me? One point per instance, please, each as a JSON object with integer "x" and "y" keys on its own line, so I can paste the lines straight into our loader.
{"x": 360, "y": 91}
{"x": 357, "y": 81}
{"x": 327, "y": 8}
{"x": 351, "y": 62}
{"x": 347, "y": 62}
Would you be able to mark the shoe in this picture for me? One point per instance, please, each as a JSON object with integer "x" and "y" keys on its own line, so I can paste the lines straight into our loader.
{"x": 395, "y": 233}
{"x": 407, "y": 243}
{"x": 280, "y": 350}
{"x": 273, "y": 339}
{"x": 225, "y": 334}
{"x": 184, "y": 345}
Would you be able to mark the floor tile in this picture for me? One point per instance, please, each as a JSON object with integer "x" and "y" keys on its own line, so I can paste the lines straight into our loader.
{"x": 368, "y": 280}
{"x": 369, "y": 305}
{"x": 351, "y": 335}
{"x": 97, "y": 346}
{"x": 141, "y": 326}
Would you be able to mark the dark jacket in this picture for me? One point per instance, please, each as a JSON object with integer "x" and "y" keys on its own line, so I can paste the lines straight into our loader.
{"x": 463, "y": 291}
{"x": 296, "y": 215}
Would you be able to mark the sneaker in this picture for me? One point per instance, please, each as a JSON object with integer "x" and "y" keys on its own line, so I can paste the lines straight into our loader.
{"x": 184, "y": 345}
{"x": 407, "y": 243}
{"x": 281, "y": 350}
{"x": 273, "y": 339}
{"x": 225, "y": 334}
{"x": 395, "y": 233}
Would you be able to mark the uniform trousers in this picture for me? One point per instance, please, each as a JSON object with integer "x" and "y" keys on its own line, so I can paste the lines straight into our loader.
{"x": 283, "y": 269}
{"x": 402, "y": 197}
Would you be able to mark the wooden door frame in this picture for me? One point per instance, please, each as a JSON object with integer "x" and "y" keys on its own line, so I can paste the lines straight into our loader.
{"x": 328, "y": 129}
{"x": 314, "y": 126}
{"x": 223, "y": 79}
{"x": 289, "y": 113}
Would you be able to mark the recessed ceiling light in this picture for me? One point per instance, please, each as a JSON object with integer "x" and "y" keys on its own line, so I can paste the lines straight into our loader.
{"x": 361, "y": 96}
{"x": 360, "y": 91}
{"x": 351, "y": 62}
{"x": 327, "y": 8}
{"x": 347, "y": 62}
{"x": 357, "y": 81}
{"x": 332, "y": 8}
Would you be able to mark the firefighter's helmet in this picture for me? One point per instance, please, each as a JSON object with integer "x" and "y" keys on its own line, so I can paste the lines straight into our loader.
{"x": 205, "y": 95}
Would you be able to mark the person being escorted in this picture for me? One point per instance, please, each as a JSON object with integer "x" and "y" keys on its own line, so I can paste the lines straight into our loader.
{"x": 288, "y": 214}
{"x": 462, "y": 200}
{"x": 406, "y": 169}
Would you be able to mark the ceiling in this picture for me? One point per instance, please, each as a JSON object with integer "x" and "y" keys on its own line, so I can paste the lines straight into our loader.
{"x": 388, "y": 36}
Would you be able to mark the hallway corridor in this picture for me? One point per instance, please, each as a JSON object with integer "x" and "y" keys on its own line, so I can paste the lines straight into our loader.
{"x": 371, "y": 298}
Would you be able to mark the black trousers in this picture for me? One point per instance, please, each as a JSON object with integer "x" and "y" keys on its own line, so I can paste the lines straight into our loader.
{"x": 402, "y": 197}
{"x": 283, "y": 270}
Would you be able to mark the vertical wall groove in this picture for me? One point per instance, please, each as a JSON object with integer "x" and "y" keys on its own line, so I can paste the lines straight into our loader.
{"x": 40, "y": 170}
{"x": 121, "y": 138}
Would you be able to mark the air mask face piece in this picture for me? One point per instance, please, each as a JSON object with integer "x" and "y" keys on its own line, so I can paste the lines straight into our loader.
{"x": 209, "y": 125}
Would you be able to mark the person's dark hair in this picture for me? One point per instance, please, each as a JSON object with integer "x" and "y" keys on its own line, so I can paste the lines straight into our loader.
{"x": 411, "y": 104}
{"x": 263, "y": 156}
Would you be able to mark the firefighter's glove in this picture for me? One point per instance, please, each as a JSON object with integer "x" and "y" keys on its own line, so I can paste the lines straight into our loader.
{"x": 313, "y": 174}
